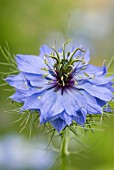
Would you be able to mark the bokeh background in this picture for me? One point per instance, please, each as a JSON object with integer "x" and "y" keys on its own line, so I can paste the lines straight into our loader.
{"x": 26, "y": 25}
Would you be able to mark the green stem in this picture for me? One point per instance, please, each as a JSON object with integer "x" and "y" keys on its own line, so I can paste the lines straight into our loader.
{"x": 64, "y": 151}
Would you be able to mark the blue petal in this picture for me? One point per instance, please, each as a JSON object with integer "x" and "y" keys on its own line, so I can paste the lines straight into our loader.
{"x": 45, "y": 50}
{"x": 58, "y": 124}
{"x": 101, "y": 80}
{"x": 97, "y": 71}
{"x": 18, "y": 96}
{"x": 26, "y": 80}
{"x": 17, "y": 81}
{"x": 73, "y": 100}
{"x": 92, "y": 105}
{"x": 109, "y": 86}
{"x": 65, "y": 117}
{"x": 48, "y": 101}
{"x": 44, "y": 119}
{"x": 92, "y": 70}
{"x": 32, "y": 102}
{"x": 101, "y": 103}
{"x": 51, "y": 103}
{"x": 36, "y": 80}
{"x": 107, "y": 109}
{"x": 30, "y": 64}
{"x": 21, "y": 95}
{"x": 98, "y": 91}
{"x": 80, "y": 117}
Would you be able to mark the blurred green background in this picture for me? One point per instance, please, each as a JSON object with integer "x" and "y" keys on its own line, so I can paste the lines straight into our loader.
{"x": 28, "y": 24}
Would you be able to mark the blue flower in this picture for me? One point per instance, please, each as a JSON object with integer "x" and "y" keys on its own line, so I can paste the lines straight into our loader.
{"x": 61, "y": 85}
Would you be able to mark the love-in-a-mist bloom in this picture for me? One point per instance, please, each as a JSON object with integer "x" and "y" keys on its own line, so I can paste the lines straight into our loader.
{"x": 61, "y": 86}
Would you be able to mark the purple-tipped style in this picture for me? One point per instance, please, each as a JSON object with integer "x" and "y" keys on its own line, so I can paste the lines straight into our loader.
{"x": 61, "y": 85}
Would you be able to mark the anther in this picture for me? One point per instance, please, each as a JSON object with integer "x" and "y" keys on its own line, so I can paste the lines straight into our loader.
{"x": 39, "y": 97}
{"x": 86, "y": 74}
{"x": 45, "y": 75}
{"x": 45, "y": 69}
{"x": 62, "y": 79}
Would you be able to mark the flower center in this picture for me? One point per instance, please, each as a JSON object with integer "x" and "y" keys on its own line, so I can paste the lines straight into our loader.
{"x": 64, "y": 66}
{"x": 63, "y": 73}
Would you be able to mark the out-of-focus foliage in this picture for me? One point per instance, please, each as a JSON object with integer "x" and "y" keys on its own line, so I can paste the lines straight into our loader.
{"x": 26, "y": 25}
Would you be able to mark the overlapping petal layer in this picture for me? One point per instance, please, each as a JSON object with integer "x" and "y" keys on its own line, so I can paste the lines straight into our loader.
{"x": 63, "y": 88}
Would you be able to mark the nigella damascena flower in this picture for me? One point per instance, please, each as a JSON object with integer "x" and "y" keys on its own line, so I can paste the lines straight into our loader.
{"x": 61, "y": 85}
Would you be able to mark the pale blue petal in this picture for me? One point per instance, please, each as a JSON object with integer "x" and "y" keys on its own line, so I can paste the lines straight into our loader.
{"x": 18, "y": 96}
{"x": 26, "y": 80}
{"x": 80, "y": 117}
{"x": 58, "y": 124}
{"x": 98, "y": 91}
{"x": 108, "y": 109}
{"x": 92, "y": 105}
{"x": 109, "y": 86}
{"x": 36, "y": 80}
{"x": 17, "y": 81}
{"x": 51, "y": 103}
{"x": 101, "y": 103}
{"x": 32, "y": 102}
{"x": 48, "y": 101}
{"x": 30, "y": 64}
{"x": 64, "y": 116}
{"x": 92, "y": 70}
{"x": 21, "y": 95}
{"x": 44, "y": 119}
{"x": 45, "y": 50}
{"x": 101, "y": 80}
{"x": 73, "y": 101}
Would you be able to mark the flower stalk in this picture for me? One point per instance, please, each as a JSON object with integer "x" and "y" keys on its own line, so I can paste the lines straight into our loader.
{"x": 64, "y": 150}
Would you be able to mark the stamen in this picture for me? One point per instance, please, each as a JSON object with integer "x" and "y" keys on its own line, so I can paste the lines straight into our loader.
{"x": 93, "y": 76}
{"x": 53, "y": 57}
{"x": 45, "y": 69}
{"x": 76, "y": 83}
{"x": 83, "y": 68}
{"x": 45, "y": 75}
{"x": 45, "y": 61}
{"x": 69, "y": 68}
{"x": 68, "y": 54}
{"x": 77, "y": 60}
{"x": 80, "y": 76}
{"x": 66, "y": 75}
{"x": 86, "y": 74}
{"x": 63, "y": 48}
{"x": 39, "y": 97}
{"x": 56, "y": 53}
{"x": 62, "y": 79}
{"x": 78, "y": 49}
